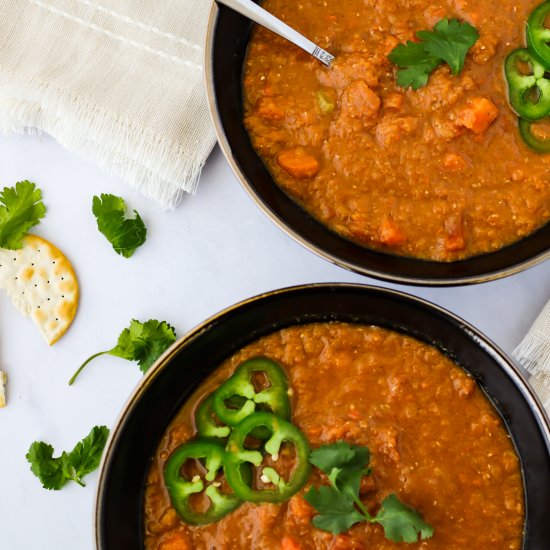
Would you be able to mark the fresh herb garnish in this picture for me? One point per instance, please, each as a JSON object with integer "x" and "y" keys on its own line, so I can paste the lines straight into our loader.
{"x": 141, "y": 342}
{"x": 339, "y": 505}
{"x": 448, "y": 42}
{"x": 125, "y": 234}
{"x": 21, "y": 208}
{"x": 83, "y": 459}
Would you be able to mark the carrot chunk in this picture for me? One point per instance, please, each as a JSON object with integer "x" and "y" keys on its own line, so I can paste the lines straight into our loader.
{"x": 453, "y": 162}
{"x": 288, "y": 543}
{"x": 478, "y": 114}
{"x": 177, "y": 541}
{"x": 393, "y": 101}
{"x": 268, "y": 109}
{"x": 300, "y": 509}
{"x": 454, "y": 240}
{"x": 298, "y": 163}
{"x": 343, "y": 542}
{"x": 390, "y": 233}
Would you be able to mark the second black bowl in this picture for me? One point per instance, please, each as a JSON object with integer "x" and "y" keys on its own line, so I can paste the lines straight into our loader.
{"x": 120, "y": 518}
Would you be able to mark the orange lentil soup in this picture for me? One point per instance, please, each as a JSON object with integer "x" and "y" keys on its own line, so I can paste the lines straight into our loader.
{"x": 435, "y": 441}
{"x": 439, "y": 173}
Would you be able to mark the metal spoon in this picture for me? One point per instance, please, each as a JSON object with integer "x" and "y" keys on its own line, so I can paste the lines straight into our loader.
{"x": 251, "y": 10}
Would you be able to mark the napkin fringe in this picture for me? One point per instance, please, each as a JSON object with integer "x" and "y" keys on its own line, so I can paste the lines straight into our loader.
{"x": 541, "y": 384}
{"x": 533, "y": 353}
{"x": 116, "y": 146}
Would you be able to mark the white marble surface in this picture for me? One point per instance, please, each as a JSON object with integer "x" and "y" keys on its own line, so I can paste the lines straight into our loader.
{"x": 215, "y": 249}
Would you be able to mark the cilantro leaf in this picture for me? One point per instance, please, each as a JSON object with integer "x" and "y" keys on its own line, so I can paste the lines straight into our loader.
{"x": 336, "y": 512}
{"x": 344, "y": 465}
{"x": 448, "y": 42}
{"x": 86, "y": 455}
{"x": 339, "y": 455}
{"x": 83, "y": 459}
{"x": 144, "y": 342}
{"x": 340, "y": 506}
{"x": 46, "y": 468}
{"x": 21, "y": 208}
{"x": 125, "y": 234}
{"x": 412, "y": 53}
{"x": 401, "y": 522}
{"x": 141, "y": 342}
{"x": 415, "y": 77}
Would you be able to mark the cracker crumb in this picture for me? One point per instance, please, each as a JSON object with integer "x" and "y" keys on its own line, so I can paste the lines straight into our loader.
{"x": 3, "y": 382}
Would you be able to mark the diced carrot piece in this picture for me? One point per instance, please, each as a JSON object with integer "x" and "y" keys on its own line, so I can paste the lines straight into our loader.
{"x": 288, "y": 543}
{"x": 452, "y": 161}
{"x": 300, "y": 509}
{"x": 454, "y": 240}
{"x": 393, "y": 101}
{"x": 354, "y": 414}
{"x": 177, "y": 541}
{"x": 390, "y": 233}
{"x": 389, "y": 44}
{"x": 267, "y": 108}
{"x": 478, "y": 114}
{"x": 298, "y": 163}
{"x": 343, "y": 542}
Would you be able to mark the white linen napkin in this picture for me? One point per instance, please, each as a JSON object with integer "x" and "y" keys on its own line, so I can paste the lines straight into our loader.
{"x": 119, "y": 82}
{"x": 533, "y": 353}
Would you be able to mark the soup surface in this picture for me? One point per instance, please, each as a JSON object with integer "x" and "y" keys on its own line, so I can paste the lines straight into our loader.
{"x": 435, "y": 440}
{"x": 439, "y": 173}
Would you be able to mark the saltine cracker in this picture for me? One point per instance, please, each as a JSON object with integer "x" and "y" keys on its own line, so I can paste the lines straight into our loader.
{"x": 42, "y": 284}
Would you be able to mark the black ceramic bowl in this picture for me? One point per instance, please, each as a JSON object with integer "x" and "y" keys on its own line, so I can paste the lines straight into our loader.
{"x": 225, "y": 50}
{"x": 119, "y": 509}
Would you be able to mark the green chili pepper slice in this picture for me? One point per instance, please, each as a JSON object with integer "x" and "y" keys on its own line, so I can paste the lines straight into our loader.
{"x": 181, "y": 489}
{"x": 539, "y": 143}
{"x": 538, "y": 36}
{"x": 274, "y": 397}
{"x": 204, "y": 420}
{"x": 238, "y": 455}
{"x": 528, "y": 87}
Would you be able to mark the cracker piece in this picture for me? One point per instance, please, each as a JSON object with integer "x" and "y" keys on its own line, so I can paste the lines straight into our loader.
{"x": 3, "y": 382}
{"x": 42, "y": 284}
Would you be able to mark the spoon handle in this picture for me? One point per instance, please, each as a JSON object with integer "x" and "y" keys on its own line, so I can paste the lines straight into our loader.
{"x": 250, "y": 9}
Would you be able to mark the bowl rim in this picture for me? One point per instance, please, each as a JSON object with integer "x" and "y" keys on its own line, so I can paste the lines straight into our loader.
{"x": 484, "y": 342}
{"x": 306, "y": 243}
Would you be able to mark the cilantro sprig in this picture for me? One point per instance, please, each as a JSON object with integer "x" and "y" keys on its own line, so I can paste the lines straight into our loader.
{"x": 125, "y": 234}
{"x": 141, "y": 342}
{"x": 21, "y": 208}
{"x": 54, "y": 473}
{"x": 339, "y": 505}
{"x": 448, "y": 42}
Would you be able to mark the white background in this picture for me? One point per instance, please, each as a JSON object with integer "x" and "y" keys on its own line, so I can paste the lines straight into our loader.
{"x": 214, "y": 250}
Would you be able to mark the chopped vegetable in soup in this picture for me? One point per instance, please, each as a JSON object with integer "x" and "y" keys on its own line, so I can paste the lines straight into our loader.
{"x": 339, "y": 436}
{"x": 439, "y": 172}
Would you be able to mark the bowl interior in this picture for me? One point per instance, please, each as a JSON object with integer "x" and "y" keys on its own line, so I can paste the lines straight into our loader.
{"x": 119, "y": 511}
{"x": 226, "y": 48}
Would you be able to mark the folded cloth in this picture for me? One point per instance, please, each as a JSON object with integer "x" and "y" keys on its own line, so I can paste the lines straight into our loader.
{"x": 119, "y": 82}
{"x": 533, "y": 354}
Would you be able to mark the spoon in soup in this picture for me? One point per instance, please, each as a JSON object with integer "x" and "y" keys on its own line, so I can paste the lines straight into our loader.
{"x": 250, "y": 9}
